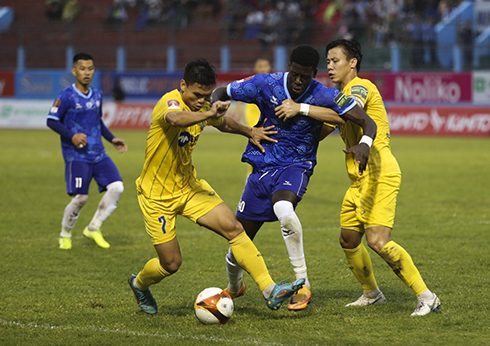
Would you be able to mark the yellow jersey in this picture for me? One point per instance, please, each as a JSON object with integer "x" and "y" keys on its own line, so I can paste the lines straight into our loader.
{"x": 168, "y": 171}
{"x": 381, "y": 160}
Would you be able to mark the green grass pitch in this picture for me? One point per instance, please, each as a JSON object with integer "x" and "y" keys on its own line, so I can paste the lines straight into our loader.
{"x": 81, "y": 297}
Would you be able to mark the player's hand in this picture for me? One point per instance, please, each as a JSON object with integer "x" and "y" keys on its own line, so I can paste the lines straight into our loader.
{"x": 362, "y": 155}
{"x": 120, "y": 145}
{"x": 79, "y": 140}
{"x": 262, "y": 133}
{"x": 219, "y": 108}
{"x": 287, "y": 109}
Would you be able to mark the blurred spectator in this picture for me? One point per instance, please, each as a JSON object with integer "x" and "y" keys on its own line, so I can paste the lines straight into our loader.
{"x": 430, "y": 43}
{"x": 116, "y": 13}
{"x": 465, "y": 40}
{"x": 268, "y": 30}
{"x": 70, "y": 11}
{"x": 253, "y": 23}
{"x": 118, "y": 93}
{"x": 54, "y": 9}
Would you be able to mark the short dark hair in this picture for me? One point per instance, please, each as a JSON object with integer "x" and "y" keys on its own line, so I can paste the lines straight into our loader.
{"x": 352, "y": 49}
{"x": 200, "y": 71}
{"x": 305, "y": 55}
{"x": 82, "y": 56}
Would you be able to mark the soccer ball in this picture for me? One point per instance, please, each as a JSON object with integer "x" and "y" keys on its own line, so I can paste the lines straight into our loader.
{"x": 213, "y": 306}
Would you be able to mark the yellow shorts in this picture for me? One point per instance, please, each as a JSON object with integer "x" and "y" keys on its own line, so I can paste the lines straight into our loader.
{"x": 370, "y": 203}
{"x": 159, "y": 215}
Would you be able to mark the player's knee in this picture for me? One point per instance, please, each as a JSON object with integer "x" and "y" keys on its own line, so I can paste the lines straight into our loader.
{"x": 116, "y": 187}
{"x": 80, "y": 200}
{"x": 173, "y": 266}
{"x": 348, "y": 242}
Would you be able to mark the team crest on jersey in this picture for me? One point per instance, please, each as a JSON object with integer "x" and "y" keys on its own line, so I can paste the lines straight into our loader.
{"x": 89, "y": 105}
{"x": 173, "y": 104}
{"x": 341, "y": 100}
{"x": 56, "y": 104}
{"x": 359, "y": 90}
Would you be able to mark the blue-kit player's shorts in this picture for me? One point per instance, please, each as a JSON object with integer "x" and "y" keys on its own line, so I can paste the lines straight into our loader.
{"x": 256, "y": 201}
{"x": 78, "y": 175}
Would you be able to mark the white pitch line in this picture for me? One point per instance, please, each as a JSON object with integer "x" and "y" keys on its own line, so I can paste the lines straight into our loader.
{"x": 130, "y": 332}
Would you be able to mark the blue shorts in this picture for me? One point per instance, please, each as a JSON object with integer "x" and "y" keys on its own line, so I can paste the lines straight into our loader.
{"x": 78, "y": 175}
{"x": 256, "y": 201}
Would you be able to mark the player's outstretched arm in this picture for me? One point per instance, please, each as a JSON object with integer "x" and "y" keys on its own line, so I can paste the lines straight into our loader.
{"x": 219, "y": 94}
{"x": 254, "y": 134}
{"x": 186, "y": 118}
{"x": 289, "y": 109}
{"x": 361, "y": 150}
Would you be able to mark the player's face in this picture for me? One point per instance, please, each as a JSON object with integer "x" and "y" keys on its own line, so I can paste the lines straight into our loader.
{"x": 339, "y": 68}
{"x": 299, "y": 79}
{"x": 195, "y": 95}
{"x": 83, "y": 70}
{"x": 262, "y": 66}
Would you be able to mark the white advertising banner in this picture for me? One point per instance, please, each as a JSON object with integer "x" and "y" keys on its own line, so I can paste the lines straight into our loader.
{"x": 481, "y": 87}
{"x": 24, "y": 114}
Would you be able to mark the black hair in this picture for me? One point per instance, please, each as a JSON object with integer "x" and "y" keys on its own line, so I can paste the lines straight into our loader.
{"x": 352, "y": 49}
{"x": 82, "y": 56}
{"x": 305, "y": 55}
{"x": 200, "y": 71}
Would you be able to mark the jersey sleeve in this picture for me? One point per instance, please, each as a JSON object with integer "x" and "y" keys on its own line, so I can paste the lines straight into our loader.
{"x": 358, "y": 93}
{"x": 165, "y": 106}
{"x": 247, "y": 89}
{"x": 58, "y": 110}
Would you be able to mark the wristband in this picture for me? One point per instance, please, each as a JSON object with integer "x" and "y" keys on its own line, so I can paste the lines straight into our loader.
{"x": 304, "y": 109}
{"x": 366, "y": 139}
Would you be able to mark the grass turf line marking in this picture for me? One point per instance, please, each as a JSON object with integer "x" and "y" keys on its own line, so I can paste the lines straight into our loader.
{"x": 130, "y": 332}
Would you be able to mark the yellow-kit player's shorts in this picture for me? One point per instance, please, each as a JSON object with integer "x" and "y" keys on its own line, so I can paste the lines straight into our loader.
{"x": 370, "y": 202}
{"x": 160, "y": 215}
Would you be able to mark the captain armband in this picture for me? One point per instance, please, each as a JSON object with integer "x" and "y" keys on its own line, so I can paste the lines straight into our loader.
{"x": 366, "y": 139}
{"x": 304, "y": 109}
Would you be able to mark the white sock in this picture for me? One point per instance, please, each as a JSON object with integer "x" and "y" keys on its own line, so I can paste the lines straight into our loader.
{"x": 70, "y": 217}
{"x": 427, "y": 295}
{"x": 267, "y": 292}
{"x": 292, "y": 232}
{"x": 107, "y": 205}
{"x": 235, "y": 272}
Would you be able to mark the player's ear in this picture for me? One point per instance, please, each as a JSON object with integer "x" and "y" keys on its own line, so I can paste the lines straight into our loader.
{"x": 183, "y": 85}
{"x": 353, "y": 63}
{"x": 315, "y": 73}
{"x": 73, "y": 71}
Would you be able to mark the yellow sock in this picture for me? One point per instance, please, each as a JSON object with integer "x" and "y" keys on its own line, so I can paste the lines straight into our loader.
{"x": 250, "y": 259}
{"x": 151, "y": 274}
{"x": 400, "y": 261}
{"x": 361, "y": 266}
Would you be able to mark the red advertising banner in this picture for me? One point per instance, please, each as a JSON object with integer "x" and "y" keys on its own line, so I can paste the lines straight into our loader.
{"x": 7, "y": 84}
{"x": 418, "y": 87}
{"x": 127, "y": 115}
{"x": 439, "y": 120}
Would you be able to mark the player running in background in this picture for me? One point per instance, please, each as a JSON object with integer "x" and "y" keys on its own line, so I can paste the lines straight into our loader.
{"x": 281, "y": 173}
{"x": 76, "y": 116}
{"x": 369, "y": 204}
{"x": 168, "y": 186}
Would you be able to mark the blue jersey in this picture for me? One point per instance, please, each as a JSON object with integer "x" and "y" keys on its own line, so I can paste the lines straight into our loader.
{"x": 297, "y": 137}
{"x": 80, "y": 113}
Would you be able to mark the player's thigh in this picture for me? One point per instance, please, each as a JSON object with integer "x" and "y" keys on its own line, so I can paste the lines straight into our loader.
{"x": 378, "y": 201}
{"x": 105, "y": 172}
{"x": 256, "y": 200}
{"x": 159, "y": 217}
{"x": 222, "y": 221}
{"x": 78, "y": 176}
{"x": 348, "y": 213}
{"x": 294, "y": 178}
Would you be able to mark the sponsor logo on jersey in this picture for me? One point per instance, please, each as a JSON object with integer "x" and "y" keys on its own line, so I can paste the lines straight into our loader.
{"x": 78, "y": 105}
{"x": 173, "y": 104}
{"x": 359, "y": 90}
{"x": 287, "y": 183}
{"x": 341, "y": 100}
{"x": 274, "y": 100}
{"x": 184, "y": 138}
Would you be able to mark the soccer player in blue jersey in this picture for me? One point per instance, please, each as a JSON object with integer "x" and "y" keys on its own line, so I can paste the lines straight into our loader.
{"x": 76, "y": 116}
{"x": 281, "y": 174}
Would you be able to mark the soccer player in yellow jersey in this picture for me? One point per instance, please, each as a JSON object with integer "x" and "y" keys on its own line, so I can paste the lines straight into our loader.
{"x": 168, "y": 186}
{"x": 369, "y": 204}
